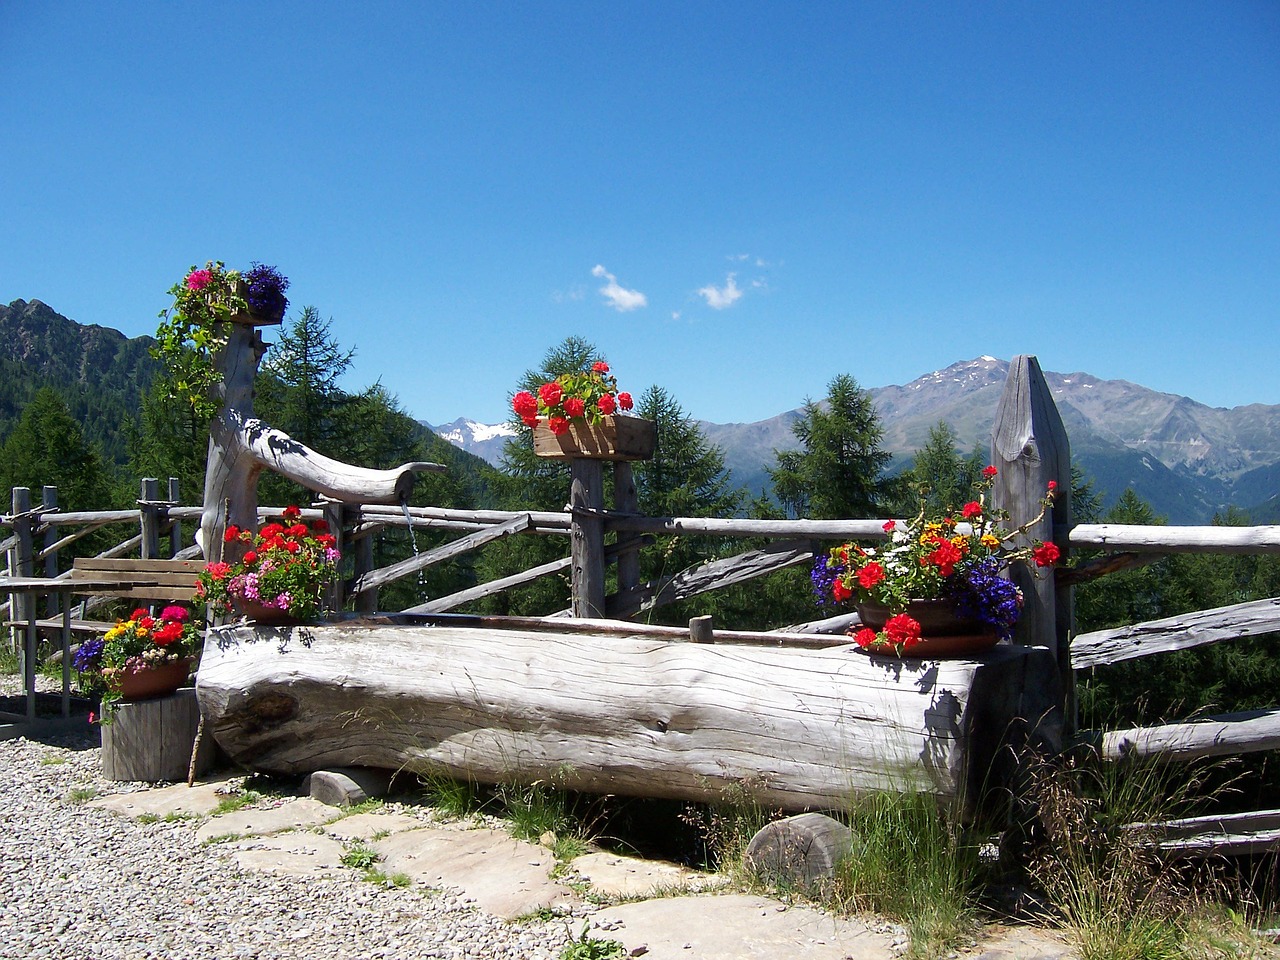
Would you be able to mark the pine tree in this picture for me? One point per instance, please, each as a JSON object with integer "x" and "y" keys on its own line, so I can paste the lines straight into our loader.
{"x": 47, "y": 447}
{"x": 838, "y": 472}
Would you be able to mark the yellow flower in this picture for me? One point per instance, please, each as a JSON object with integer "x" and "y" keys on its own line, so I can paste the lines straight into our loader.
{"x": 990, "y": 541}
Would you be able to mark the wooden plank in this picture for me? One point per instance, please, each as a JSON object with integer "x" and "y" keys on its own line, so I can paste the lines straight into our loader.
{"x": 1181, "y": 539}
{"x": 607, "y": 714}
{"x": 611, "y": 438}
{"x": 1226, "y": 734}
{"x": 378, "y": 578}
{"x": 1232, "y": 834}
{"x": 717, "y": 574}
{"x": 586, "y": 537}
{"x": 164, "y": 579}
{"x": 1175, "y": 633}
{"x": 151, "y": 740}
{"x": 454, "y": 600}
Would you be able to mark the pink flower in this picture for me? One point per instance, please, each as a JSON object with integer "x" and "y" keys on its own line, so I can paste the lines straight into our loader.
{"x": 199, "y": 279}
{"x": 176, "y": 613}
{"x": 889, "y": 525}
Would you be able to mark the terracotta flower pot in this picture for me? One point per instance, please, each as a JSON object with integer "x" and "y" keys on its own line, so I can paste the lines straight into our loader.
{"x": 143, "y": 683}
{"x": 942, "y": 632}
{"x": 267, "y": 616}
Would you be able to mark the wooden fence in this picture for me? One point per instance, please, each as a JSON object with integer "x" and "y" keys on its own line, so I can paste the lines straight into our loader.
{"x": 1029, "y": 447}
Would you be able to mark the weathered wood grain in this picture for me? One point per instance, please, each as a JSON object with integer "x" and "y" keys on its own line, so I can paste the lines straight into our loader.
{"x": 1175, "y": 633}
{"x": 799, "y": 729}
{"x": 1233, "y": 834}
{"x": 411, "y": 565}
{"x": 1166, "y": 539}
{"x": 1217, "y": 736}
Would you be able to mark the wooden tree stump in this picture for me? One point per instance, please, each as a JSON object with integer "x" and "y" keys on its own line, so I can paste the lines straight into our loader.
{"x": 151, "y": 740}
{"x": 799, "y": 851}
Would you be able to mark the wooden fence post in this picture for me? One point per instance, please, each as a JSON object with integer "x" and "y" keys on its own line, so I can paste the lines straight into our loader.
{"x": 175, "y": 526}
{"x": 22, "y": 564}
{"x": 626, "y": 500}
{"x": 586, "y": 536}
{"x": 1030, "y": 449}
{"x": 149, "y": 518}
{"x": 48, "y": 504}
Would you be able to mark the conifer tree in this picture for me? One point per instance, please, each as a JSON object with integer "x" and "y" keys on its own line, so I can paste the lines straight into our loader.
{"x": 47, "y": 447}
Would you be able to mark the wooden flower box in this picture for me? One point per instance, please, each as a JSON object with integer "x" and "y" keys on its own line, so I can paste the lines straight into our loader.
{"x": 612, "y": 438}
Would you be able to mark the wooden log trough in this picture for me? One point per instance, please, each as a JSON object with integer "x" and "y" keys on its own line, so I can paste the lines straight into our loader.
{"x": 798, "y": 727}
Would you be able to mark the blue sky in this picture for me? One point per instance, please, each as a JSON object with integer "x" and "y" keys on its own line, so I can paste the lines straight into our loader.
{"x": 735, "y": 201}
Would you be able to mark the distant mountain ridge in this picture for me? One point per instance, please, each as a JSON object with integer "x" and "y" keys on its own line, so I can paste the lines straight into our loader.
{"x": 1186, "y": 459}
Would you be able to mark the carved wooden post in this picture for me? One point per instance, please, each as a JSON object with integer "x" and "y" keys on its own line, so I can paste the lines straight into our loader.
{"x": 1030, "y": 448}
{"x": 241, "y": 447}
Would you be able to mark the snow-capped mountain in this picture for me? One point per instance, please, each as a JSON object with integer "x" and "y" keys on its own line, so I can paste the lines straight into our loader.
{"x": 485, "y": 440}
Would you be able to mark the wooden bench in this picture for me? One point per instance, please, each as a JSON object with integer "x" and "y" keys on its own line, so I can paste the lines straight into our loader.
{"x": 146, "y": 581}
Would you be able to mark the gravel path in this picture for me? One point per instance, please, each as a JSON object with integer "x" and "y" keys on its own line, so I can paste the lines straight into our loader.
{"x": 85, "y": 884}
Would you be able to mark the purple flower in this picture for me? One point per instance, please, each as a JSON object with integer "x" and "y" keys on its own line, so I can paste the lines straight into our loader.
{"x": 265, "y": 291}
{"x": 89, "y": 656}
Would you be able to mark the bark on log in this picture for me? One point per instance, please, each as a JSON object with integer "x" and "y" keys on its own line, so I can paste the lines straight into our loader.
{"x": 796, "y": 729}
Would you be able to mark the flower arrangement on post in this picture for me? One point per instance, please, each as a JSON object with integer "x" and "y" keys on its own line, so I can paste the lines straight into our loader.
{"x": 196, "y": 326}
{"x": 284, "y": 568}
{"x": 133, "y": 647}
{"x": 954, "y": 559}
{"x": 588, "y": 395}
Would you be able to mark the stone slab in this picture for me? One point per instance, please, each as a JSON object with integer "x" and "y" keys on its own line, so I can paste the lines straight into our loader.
{"x": 290, "y": 854}
{"x": 259, "y": 821}
{"x": 366, "y": 826}
{"x": 615, "y": 876}
{"x": 200, "y": 799}
{"x": 737, "y": 927}
{"x": 503, "y": 876}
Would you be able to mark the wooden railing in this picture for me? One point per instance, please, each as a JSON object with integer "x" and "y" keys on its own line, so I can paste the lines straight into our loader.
{"x": 1029, "y": 447}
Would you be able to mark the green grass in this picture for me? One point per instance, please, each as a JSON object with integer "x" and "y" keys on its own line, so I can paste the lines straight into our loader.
{"x": 236, "y": 801}
{"x": 587, "y": 947}
{"x": 81, "y": 794}
{"x": 360, "y": 857}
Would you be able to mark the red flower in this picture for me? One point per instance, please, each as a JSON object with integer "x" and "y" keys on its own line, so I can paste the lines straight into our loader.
{"x": 320, "y": 526}
{"x": 250, "y": 558}
{"x": 600, "y": 367}
{"x": 971, "y": 509}
{"x": 292, "y": 546}
{"x": 903, "y": 631}
{"x": 869, "y": 575}
{"x": 232, "y": 533}
{"x": 839, "y": 591}
{"x": 989, "y": 472}
{"x": 865, "y": 637}
{"x": 525, "y": 405}
{"x": 167, "y": 634}
{"x": 529, "y": 421}
{"x": 1053, "y": 486}
{"x": 138, "y": 614}
{"x": 575, "y": 407}
{"x": 606, "y": 404}
{"x": 1046, "y": 555}
{"x": 558, "y": 425}
{"x": 298, "y": 530}
{"x": 270, "y": 531}
{"x": 218, "y": 570}
{"x": 291, "y": 512}
{"x": 326, "y": 540}
{"x": 550, "y": 394}
{"x": 625, "y": 401}
{"x": 945, "y": 557}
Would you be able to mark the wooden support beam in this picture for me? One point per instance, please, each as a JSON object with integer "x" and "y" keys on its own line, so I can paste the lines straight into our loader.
{"x": 411, "y": 565}
{"x": 1218, "y": 736}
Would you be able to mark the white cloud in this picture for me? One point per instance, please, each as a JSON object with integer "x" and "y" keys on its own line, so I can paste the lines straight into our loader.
{"x": 618, "y": 296}
{"x": 573, "y": 293}
{"x": 720, "y": 298}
